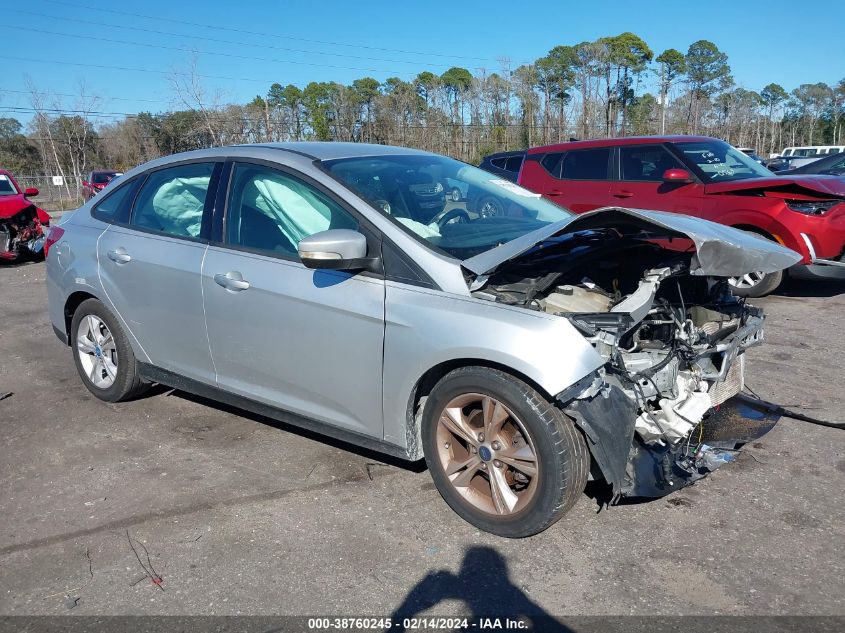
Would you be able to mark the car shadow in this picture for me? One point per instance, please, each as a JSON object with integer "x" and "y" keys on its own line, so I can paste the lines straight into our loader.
{"x": 416, "y": 467}
{"x": 21, "y": 263}
{"x": 810, "y": 288}
{"x": 483, "y": 584}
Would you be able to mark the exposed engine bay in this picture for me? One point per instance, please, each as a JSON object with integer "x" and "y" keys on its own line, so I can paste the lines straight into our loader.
{"x": 20, "y": 234}
{"x": 673, "y": 342}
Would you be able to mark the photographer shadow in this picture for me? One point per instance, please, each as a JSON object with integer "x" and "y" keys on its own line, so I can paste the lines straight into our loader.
{"x": 483, "y": 584}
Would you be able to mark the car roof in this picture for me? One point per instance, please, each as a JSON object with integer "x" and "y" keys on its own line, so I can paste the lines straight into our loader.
{"x": 819, "y": 163}
{"x": 330, "y": 150}
{"x": 508, "y": 154}
{"x": 622, "y": 140}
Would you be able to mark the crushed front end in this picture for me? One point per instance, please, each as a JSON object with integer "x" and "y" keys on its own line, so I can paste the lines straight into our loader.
{"x": 21, "y": 233}
{"x": 661, "y": 413}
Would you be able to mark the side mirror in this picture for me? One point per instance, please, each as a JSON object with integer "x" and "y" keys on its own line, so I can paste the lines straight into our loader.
{"x": 31, "y": 192}
{"x": 335, "y": 249}
{"x": 677, "y": 175}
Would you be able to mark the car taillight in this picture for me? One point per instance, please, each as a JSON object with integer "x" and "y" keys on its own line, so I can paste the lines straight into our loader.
{"x": 53, "y": 235}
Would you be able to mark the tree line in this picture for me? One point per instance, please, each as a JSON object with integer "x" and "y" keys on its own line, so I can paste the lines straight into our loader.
{"x": 613, "y": 86}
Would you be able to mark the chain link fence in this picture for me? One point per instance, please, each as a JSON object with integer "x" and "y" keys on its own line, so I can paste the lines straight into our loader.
{"x": 52, "y": 197}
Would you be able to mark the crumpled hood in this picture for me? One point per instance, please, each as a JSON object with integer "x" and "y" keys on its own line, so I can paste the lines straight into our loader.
{"x": 721, "y": 251}
{"x": 806, "y": 184}
{"x": 10, "y": 205}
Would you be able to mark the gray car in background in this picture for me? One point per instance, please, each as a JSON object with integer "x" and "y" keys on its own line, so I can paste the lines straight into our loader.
{"x": 520, "y": 353}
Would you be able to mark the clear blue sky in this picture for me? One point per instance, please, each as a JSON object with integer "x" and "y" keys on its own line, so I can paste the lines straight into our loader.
{"x": 788, "y": 42}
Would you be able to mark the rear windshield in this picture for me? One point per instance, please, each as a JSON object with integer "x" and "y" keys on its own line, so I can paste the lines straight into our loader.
{"x": 103, "y": 177}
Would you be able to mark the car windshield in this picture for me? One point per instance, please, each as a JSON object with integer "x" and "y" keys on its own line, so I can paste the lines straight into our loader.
{"x": 716, "y": 161}
{"x": 453, "y": 207}
{"x": 7, "y": 187}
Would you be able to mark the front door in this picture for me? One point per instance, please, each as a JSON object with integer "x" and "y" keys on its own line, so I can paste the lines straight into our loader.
{"x": 303, "y": 340}
{"x": 640, "y": 183}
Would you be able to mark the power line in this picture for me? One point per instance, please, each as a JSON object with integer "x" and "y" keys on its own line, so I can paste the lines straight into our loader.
{"x": 101, "y": 9}
{"x": 214, "y": 39}
{"x": 65, "y": 94}
{"x": 126, "y": 68}
{"x": 91, "y": 113}
{"x": 184, "y": 49}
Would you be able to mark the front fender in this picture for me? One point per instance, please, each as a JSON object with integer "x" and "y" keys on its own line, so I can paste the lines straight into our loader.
{"x": 425, "y": 328}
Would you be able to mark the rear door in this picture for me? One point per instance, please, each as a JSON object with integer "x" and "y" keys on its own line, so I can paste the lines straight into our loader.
{"x": 150, "y": 267}
{"x": 306, "y": 341}
{"x": 578, "y": 180}
{"x": 638, "y": 181}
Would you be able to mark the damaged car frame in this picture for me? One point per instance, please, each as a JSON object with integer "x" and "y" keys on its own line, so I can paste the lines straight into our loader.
{"x": 21, "y": 221}
{"x": 520, "y": 354}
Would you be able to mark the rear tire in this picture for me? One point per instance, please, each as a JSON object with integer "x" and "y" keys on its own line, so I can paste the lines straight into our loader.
{"x": 501, "y": 495}
{"x": 102, "y": 354}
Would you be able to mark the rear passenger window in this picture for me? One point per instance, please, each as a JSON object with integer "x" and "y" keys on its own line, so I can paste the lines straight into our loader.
{"x": 551, "y": 162}
{"x": 645, "y": 163}
{"x": 115, "y": 206}
{"x": 172, "y": 200}
{"x": 514, "y": 163}
{"x": 586, "y": 164}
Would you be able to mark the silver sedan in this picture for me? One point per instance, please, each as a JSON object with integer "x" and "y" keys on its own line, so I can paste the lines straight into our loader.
{"x": 338, "y": 287}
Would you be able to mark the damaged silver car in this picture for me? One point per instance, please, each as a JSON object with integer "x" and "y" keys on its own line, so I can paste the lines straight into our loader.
{"x": 520, "y": 352}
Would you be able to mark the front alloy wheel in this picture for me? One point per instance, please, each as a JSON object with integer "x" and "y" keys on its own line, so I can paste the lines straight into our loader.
{"x": 503, "y": 457}
{"x": 756, "y": 284}
{"x": 487, "y": 454}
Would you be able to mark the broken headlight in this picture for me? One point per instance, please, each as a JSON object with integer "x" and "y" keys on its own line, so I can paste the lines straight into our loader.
{"x": 589, "y": 322}
{"x": 812, "y": 207}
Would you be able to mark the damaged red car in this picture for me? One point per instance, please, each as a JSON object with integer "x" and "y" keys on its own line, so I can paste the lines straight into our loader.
{"x": 707, "y": 178}
{"x": 21, "y": 222}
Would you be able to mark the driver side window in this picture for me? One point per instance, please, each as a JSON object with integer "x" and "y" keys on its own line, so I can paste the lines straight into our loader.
{"x": 271, "y": 211}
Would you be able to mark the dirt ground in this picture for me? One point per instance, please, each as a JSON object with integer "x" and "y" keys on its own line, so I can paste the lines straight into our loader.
{"x": 238, "y": 514}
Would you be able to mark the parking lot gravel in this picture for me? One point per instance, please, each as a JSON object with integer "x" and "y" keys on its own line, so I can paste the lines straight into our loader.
{"x": 176, "y": 505}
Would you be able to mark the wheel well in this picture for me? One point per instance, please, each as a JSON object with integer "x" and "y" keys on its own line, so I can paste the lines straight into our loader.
{"x": 755, "y": 229}
{"x": 430, "y": 378}
{"x": 71, "y": 305}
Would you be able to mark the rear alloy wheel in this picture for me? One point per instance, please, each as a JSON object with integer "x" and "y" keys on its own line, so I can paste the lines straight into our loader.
{"x": 502, "y": 456}
{"x": 455, "y": 194}
{"x": 103, "y": 355}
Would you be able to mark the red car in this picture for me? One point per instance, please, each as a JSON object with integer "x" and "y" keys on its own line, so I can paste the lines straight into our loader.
{"x": 97, "y": 181}
{"x": 21, "y": 222}
{"x": 703, "y": 177}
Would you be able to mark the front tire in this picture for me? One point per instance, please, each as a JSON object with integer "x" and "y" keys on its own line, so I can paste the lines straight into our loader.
{"x": 755, "y": 284}
{"x": 502, "y": 456}
{"x": 102, "y": 354}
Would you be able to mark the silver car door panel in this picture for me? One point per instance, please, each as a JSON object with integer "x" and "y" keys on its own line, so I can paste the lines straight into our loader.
{"x": 306, "y": 341}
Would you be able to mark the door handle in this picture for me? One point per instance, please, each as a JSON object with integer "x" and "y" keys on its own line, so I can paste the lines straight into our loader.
{"x": 119, "y": 255}
{"x": 232, "y": 280}
{"x": 554, "y": 192}
{"x": 623, "y": 194}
